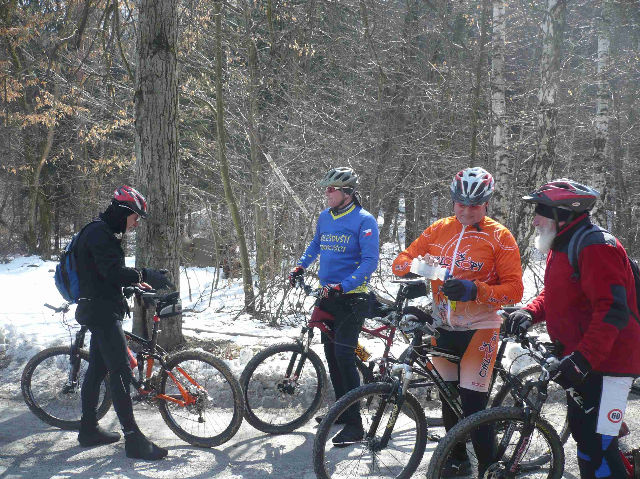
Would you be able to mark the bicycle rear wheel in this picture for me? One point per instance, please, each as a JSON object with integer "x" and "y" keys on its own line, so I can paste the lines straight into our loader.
{"x": 283, "y": 388}
{"x": 216, "y": 414}
{"x": 54, "y": 396}
{"x": 368, "y": 458}
{"x": 554, "y": 409}
{"x": 542, "y": 456}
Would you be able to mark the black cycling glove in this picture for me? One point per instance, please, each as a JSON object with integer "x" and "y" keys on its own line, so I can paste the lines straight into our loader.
{"x": 156, "y": 278}
{"x": 572, "y": 370}
{"x": 518, "y": 322}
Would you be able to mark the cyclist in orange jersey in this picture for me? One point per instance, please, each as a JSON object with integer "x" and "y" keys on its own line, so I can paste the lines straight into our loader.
{"x": 483, "y": 274}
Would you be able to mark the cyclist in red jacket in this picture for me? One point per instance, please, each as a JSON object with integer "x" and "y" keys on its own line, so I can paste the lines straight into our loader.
{"x": 593, "y": 314}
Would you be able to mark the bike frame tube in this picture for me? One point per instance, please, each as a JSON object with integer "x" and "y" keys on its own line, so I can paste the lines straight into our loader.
{"x": 187, "y": 397}
{"x": 428, "y": 369}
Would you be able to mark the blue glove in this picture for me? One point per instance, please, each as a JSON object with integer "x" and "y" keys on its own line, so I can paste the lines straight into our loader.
{"x": 460, "y": 290}
{"x": 332, "y": 290}
{"x": 572, "y": 370}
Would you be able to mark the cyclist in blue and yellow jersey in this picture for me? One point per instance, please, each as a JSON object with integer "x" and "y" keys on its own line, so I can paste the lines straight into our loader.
{"x": 346, "y": 240}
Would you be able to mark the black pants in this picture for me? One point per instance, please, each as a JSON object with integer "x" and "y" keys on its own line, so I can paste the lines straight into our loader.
{"x": 349, "y": 311}
{"x": 598, "y": 454}
{"x": 108, "y": 353}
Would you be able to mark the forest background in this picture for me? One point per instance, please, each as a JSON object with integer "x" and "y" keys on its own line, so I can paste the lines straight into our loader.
{"x": 224, "y": 114}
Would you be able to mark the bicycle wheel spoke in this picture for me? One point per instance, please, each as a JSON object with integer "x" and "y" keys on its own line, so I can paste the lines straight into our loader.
{"x": 515, "y": 453}
{"x": 51, "y": 395}
{"x": 368, "y": 458}
{"x": 279, "y": 402}
{"x": 213, "y": 411}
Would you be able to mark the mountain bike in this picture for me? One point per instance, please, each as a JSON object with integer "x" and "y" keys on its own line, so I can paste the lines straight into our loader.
{"x": 285, "y": 384}
{"x": 395, "y": 424}
{"x": 197, "y": 395}
{"x": 526, "y": 445}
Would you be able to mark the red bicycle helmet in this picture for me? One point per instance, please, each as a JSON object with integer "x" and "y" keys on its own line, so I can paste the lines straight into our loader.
{"x": 472, "y": 186}
{"x": 565, "y": 193}
{"x": 130, "y": 198}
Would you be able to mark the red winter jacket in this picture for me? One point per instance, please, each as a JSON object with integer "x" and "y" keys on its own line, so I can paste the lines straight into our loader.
{"x": 595, "y": 313}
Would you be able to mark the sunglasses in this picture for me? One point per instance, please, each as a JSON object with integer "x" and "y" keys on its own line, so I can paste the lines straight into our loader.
{"x": 331, "y": 189}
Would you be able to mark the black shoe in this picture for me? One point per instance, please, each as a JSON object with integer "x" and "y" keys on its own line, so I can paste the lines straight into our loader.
{"x": 455, "y": 467}
{"x": 137, "y": 446}
{"x": 96, "y": 436}
{"x": 349, "y": 435}
{"x": 319, "y": 419}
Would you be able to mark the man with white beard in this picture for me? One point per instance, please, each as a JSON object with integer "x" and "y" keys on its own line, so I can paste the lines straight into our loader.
{"x": 592, "y": 312}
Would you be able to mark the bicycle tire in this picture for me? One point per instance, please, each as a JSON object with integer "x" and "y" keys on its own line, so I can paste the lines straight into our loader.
{"x": 217, "y": 414}
{"x": 547, "y": 453}
{"x": 268, "y": 392}
{"x": 329, "y": 462}
{"x": 555, "y": 395}
{"x": 45, "y": 388}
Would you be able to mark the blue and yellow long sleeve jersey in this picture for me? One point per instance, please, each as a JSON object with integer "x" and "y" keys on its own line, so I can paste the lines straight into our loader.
{"x": 348, "y": 246}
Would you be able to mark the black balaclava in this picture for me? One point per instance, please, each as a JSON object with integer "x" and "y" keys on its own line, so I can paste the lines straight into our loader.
{"x": 555, "y": 213}
{"x": 116, "y": 217}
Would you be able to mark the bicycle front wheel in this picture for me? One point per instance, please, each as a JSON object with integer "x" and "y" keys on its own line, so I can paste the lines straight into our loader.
{"x": 542, "y": 456}
{"x": 51, "y": 388}
{"x": 554, "y": 409}
{"x": 283, "y": 388}
{"x": 210, "y": 412}
{"x": 370, "y": 457}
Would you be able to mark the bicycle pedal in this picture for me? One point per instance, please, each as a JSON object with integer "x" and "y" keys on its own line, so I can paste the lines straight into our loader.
{"x": 433, "y": 437}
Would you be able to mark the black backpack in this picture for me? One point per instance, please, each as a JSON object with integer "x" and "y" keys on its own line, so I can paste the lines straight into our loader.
{"x": 597, "y": 235}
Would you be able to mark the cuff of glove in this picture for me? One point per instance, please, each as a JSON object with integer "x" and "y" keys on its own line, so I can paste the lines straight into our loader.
{"x": 581, "y": 362}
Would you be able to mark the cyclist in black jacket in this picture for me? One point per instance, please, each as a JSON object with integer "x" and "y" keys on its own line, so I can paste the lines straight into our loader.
{"x": 102, "y": 274}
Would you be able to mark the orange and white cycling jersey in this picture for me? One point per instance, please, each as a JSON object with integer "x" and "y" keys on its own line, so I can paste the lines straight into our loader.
{"x": 485, "y": 253}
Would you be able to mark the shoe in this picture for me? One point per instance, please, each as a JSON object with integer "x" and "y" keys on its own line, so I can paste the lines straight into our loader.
{"x": 95, "y": 436}
{"x": 349, "y": 435}
{"x": 137, "y": 446}
{"x": 454, "y": 467}
{"x": 319, "y": 419}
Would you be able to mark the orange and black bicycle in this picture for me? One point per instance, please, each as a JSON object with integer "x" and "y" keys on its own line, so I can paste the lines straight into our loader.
{"x": 197, "y": 395}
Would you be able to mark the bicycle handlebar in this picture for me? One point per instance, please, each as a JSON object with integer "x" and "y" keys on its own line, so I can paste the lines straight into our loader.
{"x": 60, "y": 309}
{"x": 308, "y": 290}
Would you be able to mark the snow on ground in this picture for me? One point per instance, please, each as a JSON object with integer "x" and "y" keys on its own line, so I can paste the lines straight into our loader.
{"x": 27, "y": 327}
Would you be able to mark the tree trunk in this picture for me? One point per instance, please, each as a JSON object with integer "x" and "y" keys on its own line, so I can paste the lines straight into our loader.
{"x": 601, "y": 148}
{"x": 475, "y": 107}
{"x": 499, "y": 207}
{"x": 249, "y": 297}
{"x": 34, "y": 191}
{"x": 552, "y": 29}
{"x": 263, "y": 248}
{"x": 158, "y": 164}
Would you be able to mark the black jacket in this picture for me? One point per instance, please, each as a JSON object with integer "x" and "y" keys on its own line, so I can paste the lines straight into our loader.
{"x": 101, "y": 270}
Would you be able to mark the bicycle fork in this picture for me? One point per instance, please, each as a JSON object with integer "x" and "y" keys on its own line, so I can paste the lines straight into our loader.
{"x": 403, "y": 375}
{"x": 74, "y": 361}
{"x": 290, "y": 374}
